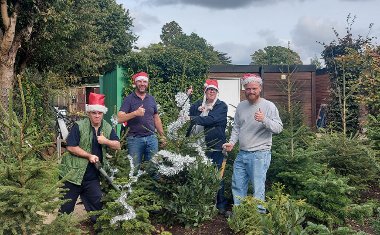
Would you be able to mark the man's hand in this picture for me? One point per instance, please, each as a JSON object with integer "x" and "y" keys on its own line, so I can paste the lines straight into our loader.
{"x": 93, "y": 158}
{"x": 140, "y": 111}
{"x": 228, "y": 146}
{"x": 162, "y": 140}
{"x": 102, "y": 139}
{"x": 259, "y": 116}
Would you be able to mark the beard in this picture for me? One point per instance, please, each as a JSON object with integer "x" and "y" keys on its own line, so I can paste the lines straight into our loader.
{"x": 252, "y": 97}
{"x": 141, "y": 89}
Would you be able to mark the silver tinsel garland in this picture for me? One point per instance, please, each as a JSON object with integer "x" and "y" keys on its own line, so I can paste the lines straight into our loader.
{"x": 125, "y": 190}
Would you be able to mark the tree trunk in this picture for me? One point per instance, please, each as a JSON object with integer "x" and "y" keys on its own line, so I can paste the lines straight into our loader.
{"x": 10, "y": 42}
{"x": 6, "y": 82}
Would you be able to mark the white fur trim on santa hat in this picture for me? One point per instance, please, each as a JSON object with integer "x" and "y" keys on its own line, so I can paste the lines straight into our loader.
{"x": 141, "y": 78}
{"x": 248, "y": 78}
{"x": 211, "y": 86}
{"x": 96, "y": 108}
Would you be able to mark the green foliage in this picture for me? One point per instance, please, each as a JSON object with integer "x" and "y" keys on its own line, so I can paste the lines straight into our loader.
{"x": 376, "y": 221}
{"x": 319, "y": 229}
{"x": 325, "y": 192}
{"x": 63, "y": 224}
{"x": 350, "y": 157}
{"x": 38, "y": 92}
{"x": 370, "y": 79}
{"x": 284, "y": 216}
{"x": 275, "y": 55}
{"x": 141, "y": 197}
{"x": 172, "y": 35}
{"x": 29, "y": 185}
{"x": 373, "y": 132}
{"x": 361, "y": 212}
{"x": 79, "y": 38}
{"x": 345, "y": 66}
{"x": 192, "y": 201}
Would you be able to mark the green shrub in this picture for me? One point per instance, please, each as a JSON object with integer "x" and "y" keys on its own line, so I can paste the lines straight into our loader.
{"x": 319, "y": 229}
{"x": 191, "y": 201}
{"x": 284, "y": 216}
{"x": 63, "y": 224}
{"x": 350, "y": 157}
{"x": 360, "y": 212}
{"x": 325, "y": 192}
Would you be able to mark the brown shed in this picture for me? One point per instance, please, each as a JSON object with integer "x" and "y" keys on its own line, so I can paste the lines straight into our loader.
{"x": 274, "y": 84}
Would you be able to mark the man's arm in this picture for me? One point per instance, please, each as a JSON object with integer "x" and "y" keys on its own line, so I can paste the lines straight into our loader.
{"x": 125, "y": 113}
{"x": 78, "y": 151}
{"x": 217, "y": 115}
{"x": 273, "y": 121}
{"x": 125, "y": 117}
{"x": 158, "y": 124}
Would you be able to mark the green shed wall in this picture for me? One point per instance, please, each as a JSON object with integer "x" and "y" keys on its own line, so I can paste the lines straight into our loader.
{"x": 112, "y": 84}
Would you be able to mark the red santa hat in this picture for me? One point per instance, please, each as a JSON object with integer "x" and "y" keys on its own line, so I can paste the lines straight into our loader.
{"x": 250, "y": 77}
{"x": 96, "y": 103}
{"x": 141, "y": 76}
{"x": 211, "y": 83}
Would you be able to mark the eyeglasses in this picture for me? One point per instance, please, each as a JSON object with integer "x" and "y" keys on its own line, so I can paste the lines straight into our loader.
{"x": 96, "y": 113}
{"x": 212, "y": 89}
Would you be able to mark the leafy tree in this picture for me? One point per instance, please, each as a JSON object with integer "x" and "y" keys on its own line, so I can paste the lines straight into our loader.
{"x": 170, "y": 32}
{"x": 343, "y": 63}
{"x": 370, "y": 80}
{"x": 172, "y": 35}
{"x": 18, "y": 19}
{"x": 81, "y": 38}
{"x": 275, "y": 55}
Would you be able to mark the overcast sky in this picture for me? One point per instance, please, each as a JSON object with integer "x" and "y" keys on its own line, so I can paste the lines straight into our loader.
{"x": 240, "y": 27}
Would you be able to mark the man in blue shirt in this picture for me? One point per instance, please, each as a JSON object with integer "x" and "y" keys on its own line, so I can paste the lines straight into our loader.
{"x": 139, "y": 110}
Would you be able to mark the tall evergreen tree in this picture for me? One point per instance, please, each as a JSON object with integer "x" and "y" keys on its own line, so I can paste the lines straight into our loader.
{"x": 28, "y": 182}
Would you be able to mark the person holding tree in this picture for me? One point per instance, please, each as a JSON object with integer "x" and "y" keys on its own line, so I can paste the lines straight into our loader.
{"x": 87, "y": 143}
{"x": 209, "y": 116}
{"x": 139, "y": 110}
{"x": 256, "y": 119}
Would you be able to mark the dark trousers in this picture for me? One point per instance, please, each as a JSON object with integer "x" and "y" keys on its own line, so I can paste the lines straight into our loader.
{"x": 90, "y": 194}
{"x": 217, "y": 158}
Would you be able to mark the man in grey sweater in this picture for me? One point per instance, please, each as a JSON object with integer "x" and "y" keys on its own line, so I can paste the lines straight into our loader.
{"x": 256, "y": 119}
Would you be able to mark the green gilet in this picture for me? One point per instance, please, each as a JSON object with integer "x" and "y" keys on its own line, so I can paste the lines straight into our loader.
{"x": 73, "y": 167}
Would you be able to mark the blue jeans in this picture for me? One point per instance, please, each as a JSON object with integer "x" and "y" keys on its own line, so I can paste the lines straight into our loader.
{"x": 250, "y": 166}
{"x": 142, "y": 149}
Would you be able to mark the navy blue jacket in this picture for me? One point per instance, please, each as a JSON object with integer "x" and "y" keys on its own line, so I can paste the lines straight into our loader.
{"x": 214, "y": 123}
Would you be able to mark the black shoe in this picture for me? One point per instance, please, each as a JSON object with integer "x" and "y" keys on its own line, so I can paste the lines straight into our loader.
{"x": 228, "y": 214}
{"x": 222, "y": 211}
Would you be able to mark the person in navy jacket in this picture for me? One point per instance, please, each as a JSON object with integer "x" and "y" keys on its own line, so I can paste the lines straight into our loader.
{"x": 210, "y": 117}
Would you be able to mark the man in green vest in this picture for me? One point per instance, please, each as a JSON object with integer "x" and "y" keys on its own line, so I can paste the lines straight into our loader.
{"x": 87, "y": 143}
